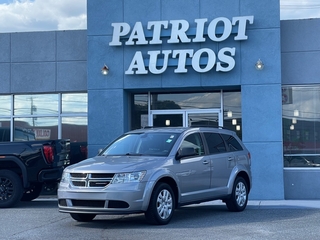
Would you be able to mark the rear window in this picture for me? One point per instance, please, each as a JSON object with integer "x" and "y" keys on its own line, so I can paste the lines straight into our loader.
{"x": 232, "y": 143}
{"x": 215, "y": 143}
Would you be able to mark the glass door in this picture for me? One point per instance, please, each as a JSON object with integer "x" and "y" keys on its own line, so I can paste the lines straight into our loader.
{"x": 167, "y": 119}
{"x": 203, "y": 119}
{"x": 186, "y": 118}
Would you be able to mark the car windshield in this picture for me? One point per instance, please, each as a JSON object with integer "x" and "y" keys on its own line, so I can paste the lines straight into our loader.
{"x": 151, "y": 143}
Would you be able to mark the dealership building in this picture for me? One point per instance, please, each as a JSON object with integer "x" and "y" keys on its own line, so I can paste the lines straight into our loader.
{"x": 176, "y": 63}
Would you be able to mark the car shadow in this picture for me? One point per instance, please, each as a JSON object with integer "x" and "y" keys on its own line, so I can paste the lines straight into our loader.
{"x": 203, "y": 215}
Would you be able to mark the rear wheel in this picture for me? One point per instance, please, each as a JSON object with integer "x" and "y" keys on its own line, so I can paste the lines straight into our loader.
{"x": 239, "y": 197}
{"x": 10, "y": 188}
{"x": 32, "y": 193}
{"x": 161, "y": 206}
{"x": 82, "y": 217}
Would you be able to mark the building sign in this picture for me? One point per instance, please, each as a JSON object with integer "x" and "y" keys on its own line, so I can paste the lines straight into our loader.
{"x": 179, "y": 31}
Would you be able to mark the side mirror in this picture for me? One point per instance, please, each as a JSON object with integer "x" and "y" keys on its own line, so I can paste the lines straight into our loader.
{"x": 185, "y": 152}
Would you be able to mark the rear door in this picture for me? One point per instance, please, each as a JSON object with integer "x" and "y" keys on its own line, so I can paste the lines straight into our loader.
{"x": 222, "y": 162}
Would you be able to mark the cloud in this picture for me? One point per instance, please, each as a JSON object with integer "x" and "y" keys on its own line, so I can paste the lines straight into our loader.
{"x": 43, "y": 15}
{"x": 50, "y": 15}
{"x": 304, "y": 9}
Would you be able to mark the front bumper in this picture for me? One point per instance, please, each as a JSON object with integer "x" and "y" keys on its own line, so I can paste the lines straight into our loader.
{"x": 122, "y": 198}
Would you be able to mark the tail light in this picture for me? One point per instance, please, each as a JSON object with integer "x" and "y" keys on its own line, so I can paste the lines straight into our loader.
{"x": 48, "y": 153}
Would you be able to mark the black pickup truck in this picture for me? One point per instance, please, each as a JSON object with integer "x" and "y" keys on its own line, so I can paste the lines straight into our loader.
{"x": 27, "y": 165}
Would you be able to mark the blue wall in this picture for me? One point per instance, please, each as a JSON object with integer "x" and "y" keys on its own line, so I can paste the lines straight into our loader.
{"x": 43, "y": 62}
{"x": 261, "y": 90}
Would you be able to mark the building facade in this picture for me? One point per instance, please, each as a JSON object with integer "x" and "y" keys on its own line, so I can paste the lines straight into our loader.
{"x": 177, "y": 63}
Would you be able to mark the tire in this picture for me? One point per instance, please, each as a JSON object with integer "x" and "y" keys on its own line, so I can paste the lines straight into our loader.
{"x": 32, "y": 193}
{"x": 239, "y": 197}
{"x": 82, "y": 217}
{"x": 161, "y": 206}
{"x": 10, "y": 188}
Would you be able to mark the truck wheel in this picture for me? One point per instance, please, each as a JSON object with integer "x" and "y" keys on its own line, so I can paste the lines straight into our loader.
{"x": 32, "y": 193}
{"x": 10, "y": 188}
{"x": 161, "y": 206}
{"x": 82, "y": 217}
{"x": 239, "y": 197}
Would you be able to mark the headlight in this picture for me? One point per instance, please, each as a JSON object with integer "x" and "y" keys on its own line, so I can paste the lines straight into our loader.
{"x": 65, "y": 179}
{"x": 128, "y": 177}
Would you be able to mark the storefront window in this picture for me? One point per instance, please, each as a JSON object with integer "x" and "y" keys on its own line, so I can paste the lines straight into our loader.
{"x": 185, "y": 100}
{"x": 232, "y": 112}
{"x": 139, "y": 111}
{"x": 44, "y": 117}
{"x": 75, "y": 128}
{"x": 74, "y": 103}
{"x": 36, "y": 104}
{"x": 301, "y": 126}
{"x": 5, "y": 106}
{"x": 44, "y": 128}
{"x": 192, "y": 109}
{"x": 4, "y": 129}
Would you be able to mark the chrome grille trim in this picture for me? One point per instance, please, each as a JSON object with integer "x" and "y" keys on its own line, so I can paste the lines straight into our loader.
{"x": 90, "y": 180}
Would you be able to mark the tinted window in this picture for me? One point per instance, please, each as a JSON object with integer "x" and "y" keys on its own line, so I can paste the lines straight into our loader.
{"x": 215, "y": 143}
{"x": 194, "y": 140}
{"x": 232, "y": 143}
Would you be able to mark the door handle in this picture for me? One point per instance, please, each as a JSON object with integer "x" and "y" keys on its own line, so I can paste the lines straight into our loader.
{"x": 230, "y": 158}
{"x": 205, "y": 162}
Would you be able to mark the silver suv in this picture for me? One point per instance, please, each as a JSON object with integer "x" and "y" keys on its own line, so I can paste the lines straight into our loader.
{"x": 155, "y": 170}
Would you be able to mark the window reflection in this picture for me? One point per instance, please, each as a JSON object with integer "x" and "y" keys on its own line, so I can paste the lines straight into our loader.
{"x": 36, "y": 104}
{"x": 5, "y": 105}
{"x": 232, "y": 112}
{"x": 185, "y": 100}
{"x": 75, "y": 128}
{"x": 139, "y": 114}
{"x": 301, "y": 125}
{"x": 44, "y": 128}
{"x": 36, "y": 116}
{"x": 74, "y": 103}
{"x": 4, "y": 129}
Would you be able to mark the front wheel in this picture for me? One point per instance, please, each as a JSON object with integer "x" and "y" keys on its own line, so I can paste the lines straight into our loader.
{"x": 10, "y": 188}
{"x": 239, "y": 197}
{"x": 161, "y": 206}
{"x": 82, "y": 217}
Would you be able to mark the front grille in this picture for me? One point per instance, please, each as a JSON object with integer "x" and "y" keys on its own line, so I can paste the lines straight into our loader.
{"x": 88, "y": 203}
{"x": 91, "y": 180}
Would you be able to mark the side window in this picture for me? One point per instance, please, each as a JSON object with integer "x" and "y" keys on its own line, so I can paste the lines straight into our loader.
{"x": 232, "y": 143}
{"x": 215, "y": 143}
{"x": 194, "y": 140}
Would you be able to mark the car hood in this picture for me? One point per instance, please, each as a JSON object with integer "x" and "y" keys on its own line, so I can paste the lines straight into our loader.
{"x": 114, "y": 164}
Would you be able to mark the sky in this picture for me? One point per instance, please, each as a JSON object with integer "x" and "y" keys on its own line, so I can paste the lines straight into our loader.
{"x": 52, "y": 15}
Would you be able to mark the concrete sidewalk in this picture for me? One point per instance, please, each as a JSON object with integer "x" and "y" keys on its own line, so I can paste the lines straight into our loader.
{"x": 256, "y": 204}
{"x": 284, "y": 203}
